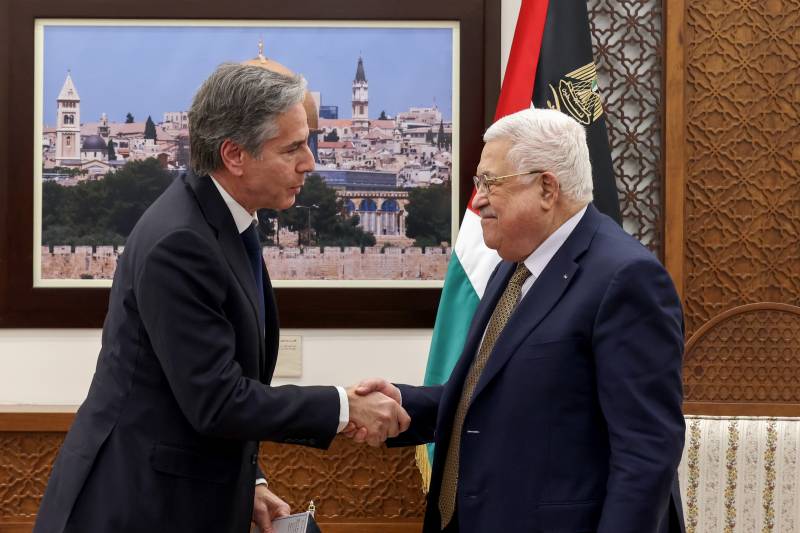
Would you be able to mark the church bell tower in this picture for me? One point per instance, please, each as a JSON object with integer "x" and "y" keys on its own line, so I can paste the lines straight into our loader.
{"x": 68, "y": 123}
{"x": 360, "y": 99}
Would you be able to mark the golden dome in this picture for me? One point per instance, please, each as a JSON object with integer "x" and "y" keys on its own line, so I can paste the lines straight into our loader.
{"x": 308, "y": 102}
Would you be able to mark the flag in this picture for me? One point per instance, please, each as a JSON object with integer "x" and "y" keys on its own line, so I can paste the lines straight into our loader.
{"x": 550, "y": 65}
{"x": 567, "y": 80}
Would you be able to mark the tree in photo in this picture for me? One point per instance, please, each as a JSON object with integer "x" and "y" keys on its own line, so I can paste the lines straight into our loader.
{"x": 428, "y": 221}
{"x": 112, "y": 154}
{"x": 443, "y": 140}
{"x": 317, "y": 204}
{"x": 347, "y": 233}
{"x": 76, "y": 215}
{"x": 150, "y": 129}
{"x": 131, "y": 190}
{"x": 129, "y": 118}
{"x": 104, "y": 211}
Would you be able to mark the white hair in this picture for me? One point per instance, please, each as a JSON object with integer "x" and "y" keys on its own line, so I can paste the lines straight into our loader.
{"x": 548, "y": 140}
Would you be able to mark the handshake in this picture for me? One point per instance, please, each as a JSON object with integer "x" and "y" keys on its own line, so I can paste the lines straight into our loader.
{"x": 376, "y": 412}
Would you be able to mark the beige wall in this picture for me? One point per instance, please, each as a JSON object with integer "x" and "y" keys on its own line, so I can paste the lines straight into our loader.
{"x": 47, "y": 366}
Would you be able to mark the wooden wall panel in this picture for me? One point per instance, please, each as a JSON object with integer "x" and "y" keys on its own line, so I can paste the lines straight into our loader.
{"x": 742, "y": 155}
{"x": 357, "y": 489}
{"x": 347, "y": 481}
{"x": 674, "y": 145}
{"x": 25, "y": 462}
{"x": 733, "y": 200}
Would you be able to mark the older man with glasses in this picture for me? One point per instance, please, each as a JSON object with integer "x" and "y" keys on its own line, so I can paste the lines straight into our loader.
{"x": 564, "y": 412}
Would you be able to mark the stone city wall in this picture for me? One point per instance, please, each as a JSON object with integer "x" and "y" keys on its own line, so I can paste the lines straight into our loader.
{"x": 310, "y": 263}
{"x": 351, "y": 263}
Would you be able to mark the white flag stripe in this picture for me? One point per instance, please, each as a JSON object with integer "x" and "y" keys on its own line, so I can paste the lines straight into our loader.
{"x": 476, "y": 259}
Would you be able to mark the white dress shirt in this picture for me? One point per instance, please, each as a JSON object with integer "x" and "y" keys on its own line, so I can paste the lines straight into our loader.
{"x": 244, "y": 220}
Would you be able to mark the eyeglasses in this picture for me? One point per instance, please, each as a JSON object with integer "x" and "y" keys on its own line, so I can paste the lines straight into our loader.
{"x": 484, "y": 183}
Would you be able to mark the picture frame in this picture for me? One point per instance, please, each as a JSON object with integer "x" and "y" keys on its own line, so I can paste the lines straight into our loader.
{"x": 24, "y": 303}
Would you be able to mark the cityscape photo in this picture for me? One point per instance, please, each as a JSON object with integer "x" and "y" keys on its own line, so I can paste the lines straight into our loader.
{"x": 378, "y": 206}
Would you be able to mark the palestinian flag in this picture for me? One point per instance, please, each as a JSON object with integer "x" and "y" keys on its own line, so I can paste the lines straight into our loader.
{"x": 550, "y": 66}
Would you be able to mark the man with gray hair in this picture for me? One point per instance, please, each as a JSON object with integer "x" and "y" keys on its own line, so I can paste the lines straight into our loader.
{"x": 167, "y": 439}
{"x": 563, "y": 413}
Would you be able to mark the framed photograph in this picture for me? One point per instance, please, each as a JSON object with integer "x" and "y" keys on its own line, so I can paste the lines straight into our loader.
{"x": 97, "y": 127}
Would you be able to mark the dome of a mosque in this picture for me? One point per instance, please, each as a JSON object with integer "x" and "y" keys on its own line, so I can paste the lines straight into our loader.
{"x": 93, "y": 142}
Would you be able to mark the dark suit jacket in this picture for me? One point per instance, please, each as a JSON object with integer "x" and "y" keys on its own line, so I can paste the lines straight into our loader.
{"x": 575, "y": 424}
{"x": 167, "y": 437}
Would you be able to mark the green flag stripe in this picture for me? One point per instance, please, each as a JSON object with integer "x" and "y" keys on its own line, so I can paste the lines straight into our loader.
{"x": 456, "y": 307}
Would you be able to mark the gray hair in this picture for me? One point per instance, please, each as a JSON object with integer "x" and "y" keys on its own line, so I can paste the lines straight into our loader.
{"x": 547, "y": 139}
{"x": 240, "y": 103}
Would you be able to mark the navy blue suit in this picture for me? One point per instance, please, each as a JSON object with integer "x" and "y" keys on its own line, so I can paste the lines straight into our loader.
{"x": 575, "y": 425}
{"x": 167, "y": 437}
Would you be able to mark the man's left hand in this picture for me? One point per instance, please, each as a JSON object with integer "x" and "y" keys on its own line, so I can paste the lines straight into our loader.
{"x": 266, "y": 507}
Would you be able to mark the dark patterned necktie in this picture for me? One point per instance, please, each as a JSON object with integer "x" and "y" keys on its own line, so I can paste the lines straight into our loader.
{"x": 253, "y": 247}
{"x": 502, "y": 311}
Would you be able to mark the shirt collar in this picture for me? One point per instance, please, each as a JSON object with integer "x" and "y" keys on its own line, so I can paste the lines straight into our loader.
{"x": 241, "y": 217}
{"x": 537, "y": 261}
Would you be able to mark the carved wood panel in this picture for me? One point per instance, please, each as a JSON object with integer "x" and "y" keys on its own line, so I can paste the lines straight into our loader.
{"x": 25, "y": 462}
{"x": 347, "y": 480}
{"x": 742, "y": 150}
{"x": 358, "y": 486}
{"x": 626, "y": 39}
{"x": 750, "y": 354}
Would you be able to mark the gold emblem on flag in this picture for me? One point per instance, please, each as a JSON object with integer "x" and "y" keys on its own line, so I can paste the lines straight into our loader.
{"x": 577, "y": 95}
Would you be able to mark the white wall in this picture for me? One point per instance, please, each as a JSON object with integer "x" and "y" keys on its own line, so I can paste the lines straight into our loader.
{"x": 55, "y": 366}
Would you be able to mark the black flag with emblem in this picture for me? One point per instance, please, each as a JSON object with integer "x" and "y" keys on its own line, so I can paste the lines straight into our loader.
{"x": 566, "y": 79}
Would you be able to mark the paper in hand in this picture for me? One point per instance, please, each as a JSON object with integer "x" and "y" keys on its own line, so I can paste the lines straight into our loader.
{"x": 296, "y": 523}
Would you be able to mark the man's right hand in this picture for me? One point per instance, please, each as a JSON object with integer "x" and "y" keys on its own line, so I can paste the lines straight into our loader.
{"x": 376, "y": 415}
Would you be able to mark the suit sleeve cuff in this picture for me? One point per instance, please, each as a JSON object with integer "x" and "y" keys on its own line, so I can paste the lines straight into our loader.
{"x": 344, "y": 409}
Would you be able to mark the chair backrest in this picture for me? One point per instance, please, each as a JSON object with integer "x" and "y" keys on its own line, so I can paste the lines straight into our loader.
{"x": 745, "y": 361}
{"x": 741, "y": 475}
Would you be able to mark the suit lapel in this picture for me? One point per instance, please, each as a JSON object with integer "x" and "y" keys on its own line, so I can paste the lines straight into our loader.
{"x": 219, "y": 216}
{"x": 545, "y": 293}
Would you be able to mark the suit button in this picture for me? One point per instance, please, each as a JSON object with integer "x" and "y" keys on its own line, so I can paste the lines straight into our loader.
{"x": 254, "y": 458}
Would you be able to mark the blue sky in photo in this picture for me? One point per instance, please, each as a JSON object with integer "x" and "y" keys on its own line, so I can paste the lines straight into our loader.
{"x": 151, "y": 70}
